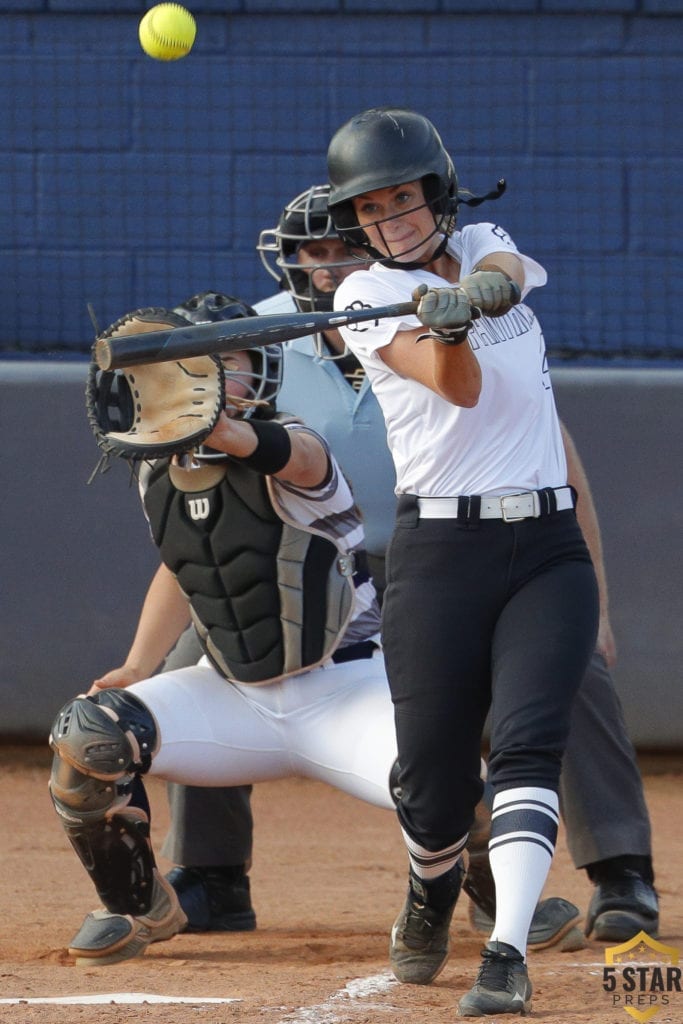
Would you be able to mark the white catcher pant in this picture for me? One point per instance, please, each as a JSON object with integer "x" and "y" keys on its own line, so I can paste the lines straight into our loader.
{"x": 334, "y": 723}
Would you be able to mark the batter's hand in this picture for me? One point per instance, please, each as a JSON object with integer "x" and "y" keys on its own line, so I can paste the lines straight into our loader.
{"x": 491, "y": 291}
{"x": 118, "y": 677}
{"x": 443, "y": 309}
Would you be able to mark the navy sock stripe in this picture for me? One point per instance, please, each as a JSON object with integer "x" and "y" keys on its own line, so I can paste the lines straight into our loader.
{"x": 524, "y": 820}
{"x": 504, "y": 840}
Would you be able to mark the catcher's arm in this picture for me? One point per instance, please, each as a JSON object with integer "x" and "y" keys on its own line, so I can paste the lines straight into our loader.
{"x": 165, "y": 615}
{"x": 268, "y": 447}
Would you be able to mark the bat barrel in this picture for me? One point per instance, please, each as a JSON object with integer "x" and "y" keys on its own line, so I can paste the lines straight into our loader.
{"x": 229, "y": 335}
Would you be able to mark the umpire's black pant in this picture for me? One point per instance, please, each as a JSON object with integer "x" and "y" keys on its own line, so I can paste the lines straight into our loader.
{"x": 476, "y": 616}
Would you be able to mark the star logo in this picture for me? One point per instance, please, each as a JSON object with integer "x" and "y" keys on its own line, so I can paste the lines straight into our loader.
{"x": 642, "y": 976}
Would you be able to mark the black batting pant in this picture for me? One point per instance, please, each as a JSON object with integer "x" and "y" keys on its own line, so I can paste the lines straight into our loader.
{"x": 476, "y": 616}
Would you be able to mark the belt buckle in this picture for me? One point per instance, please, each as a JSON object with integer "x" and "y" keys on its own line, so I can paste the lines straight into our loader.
{"x": 535, "y": 506}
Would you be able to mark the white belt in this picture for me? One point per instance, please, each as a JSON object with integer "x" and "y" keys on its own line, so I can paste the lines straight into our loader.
{"x": 509, "y": 507}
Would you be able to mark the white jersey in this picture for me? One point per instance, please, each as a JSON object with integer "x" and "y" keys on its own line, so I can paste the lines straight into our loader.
{"x": 510, "y": 441}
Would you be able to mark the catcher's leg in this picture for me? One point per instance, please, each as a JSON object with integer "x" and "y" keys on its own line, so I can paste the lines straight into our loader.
{"x": 102, "y": 745}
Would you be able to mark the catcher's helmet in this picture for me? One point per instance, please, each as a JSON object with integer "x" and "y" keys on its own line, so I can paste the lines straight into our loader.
{"x": 210, "y": 307}
{"x": 304, "y": 219}
{"x": 389, "y": 146}
{"x": 207, "y": 307}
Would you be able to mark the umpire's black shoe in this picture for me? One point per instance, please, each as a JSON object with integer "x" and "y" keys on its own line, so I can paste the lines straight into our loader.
{"x": 621, "y": 907}
{"x": 555, "y": 923}
{"x": 502, "y": 985}
{"x": 419, "y": 939}
{"x": 215, "y": 899}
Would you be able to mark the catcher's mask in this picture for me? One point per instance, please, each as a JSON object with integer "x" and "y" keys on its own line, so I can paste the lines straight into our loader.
{"x": 117, "y": 400}
{"x": 388, "y": 146}
{"x": 264, "y": 383}
{"x": 304, "y": 219}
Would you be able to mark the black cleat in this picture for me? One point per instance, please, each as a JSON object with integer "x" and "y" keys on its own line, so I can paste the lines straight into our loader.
{"x": 214, "y": 899}
{"x": 419, "y": 938}
{"x": 502, "y": 985}
{"x": 621, "y": 907}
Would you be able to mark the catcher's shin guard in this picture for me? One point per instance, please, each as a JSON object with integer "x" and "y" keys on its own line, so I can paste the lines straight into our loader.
{"x": 100, "y": 744}
{"x": 107, "y": 736}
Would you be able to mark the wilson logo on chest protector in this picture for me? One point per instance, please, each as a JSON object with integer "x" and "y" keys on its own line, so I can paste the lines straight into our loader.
{"x": 198, "y": 508}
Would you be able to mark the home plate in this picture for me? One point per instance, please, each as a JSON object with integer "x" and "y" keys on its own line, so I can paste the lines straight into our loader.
{"x": 117, "y": 998}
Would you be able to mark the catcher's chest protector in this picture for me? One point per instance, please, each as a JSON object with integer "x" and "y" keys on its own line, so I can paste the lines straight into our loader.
{"x": 266, "y": 597}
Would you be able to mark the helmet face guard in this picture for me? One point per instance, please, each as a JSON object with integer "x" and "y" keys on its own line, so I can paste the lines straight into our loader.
{"x": 264, "y": 381}
{"x": 444, "y": 224}
{"x": 304, "y": 220}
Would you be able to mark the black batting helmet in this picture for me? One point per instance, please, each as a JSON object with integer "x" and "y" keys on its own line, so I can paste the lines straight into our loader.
{"x": 388, "y": 146}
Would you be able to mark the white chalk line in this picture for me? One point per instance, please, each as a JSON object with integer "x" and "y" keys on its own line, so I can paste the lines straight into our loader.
{"x": 358, "y": 990}
{"x": 118, "y": 998}
{"x": 333, "y": 1010}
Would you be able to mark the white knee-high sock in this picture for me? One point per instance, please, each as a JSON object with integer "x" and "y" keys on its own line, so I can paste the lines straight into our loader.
{"x": 523, "y": 834}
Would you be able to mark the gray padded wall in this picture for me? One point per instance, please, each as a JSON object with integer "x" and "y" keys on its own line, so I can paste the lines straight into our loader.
{"x": 76, "y": 559}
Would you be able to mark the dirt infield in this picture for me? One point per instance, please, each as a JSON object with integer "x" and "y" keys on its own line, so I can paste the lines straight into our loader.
{"x": 328, "y": 878}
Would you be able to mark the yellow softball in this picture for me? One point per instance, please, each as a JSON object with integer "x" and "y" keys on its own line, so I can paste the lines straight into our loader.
{"x": 167, "y": 32}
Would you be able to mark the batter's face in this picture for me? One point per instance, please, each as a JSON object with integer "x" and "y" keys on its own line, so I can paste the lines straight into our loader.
{"x": 398, "y": 222}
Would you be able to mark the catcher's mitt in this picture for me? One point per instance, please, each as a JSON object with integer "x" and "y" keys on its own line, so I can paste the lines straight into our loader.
{"x": 158, "y": 409}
